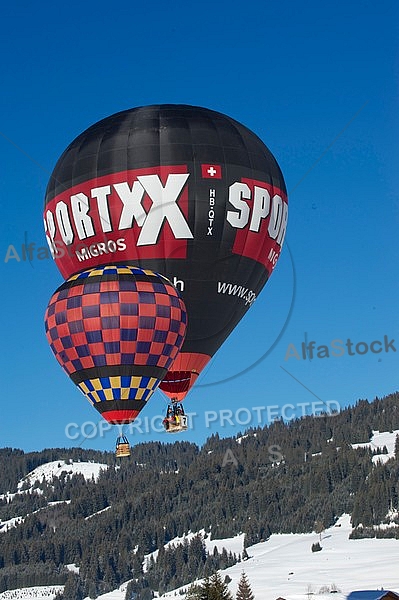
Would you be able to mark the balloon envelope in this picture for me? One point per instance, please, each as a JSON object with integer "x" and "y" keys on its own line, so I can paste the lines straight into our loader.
{"x": 184, "y": 191}
{"x": 116, "y": 330}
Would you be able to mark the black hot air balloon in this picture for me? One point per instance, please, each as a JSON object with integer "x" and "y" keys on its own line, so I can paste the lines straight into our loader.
{"x": 184, "y": 191}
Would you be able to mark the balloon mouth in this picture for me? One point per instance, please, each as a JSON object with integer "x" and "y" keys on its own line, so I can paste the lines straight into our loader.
{"x": 177, "y": 381}
{"x": 183, "y": 374}
{"x": 119, "y": 417}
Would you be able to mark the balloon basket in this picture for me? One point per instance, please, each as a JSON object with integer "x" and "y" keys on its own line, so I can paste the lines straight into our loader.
{"x": 176, "y": 427}
{"x": 122, "y": 447}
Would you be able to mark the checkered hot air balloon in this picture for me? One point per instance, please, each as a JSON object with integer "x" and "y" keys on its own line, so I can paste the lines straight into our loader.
{"x": 116, "y": 330}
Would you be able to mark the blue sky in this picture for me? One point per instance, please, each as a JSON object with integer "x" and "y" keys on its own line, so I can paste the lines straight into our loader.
{"x": 318, "y": 82}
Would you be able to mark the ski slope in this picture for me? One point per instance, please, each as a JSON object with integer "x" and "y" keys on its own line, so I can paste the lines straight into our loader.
{"x": 284, "y": 566}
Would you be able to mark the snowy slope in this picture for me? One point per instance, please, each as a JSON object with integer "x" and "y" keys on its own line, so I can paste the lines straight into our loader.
{"x": 234, "y": 545}
{"x": 56, "y": 468}
{"x": 347, "y": 564}
{"x": 43, "y": 592}
{"x": 282, "y": 566}
{"x": 47, "y": 472}
{"x": 285, "y": 566}
{"x": 379, "y": 440}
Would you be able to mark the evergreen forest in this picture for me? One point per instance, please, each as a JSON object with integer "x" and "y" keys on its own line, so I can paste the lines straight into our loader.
{"x": 286, "y": 477}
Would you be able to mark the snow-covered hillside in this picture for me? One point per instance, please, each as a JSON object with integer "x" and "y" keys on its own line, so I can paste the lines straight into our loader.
{"x": 56, "y": 468}
{"x": 379, "y": 440}
{"x": 233, "y": 545}
{"x": 42, "y": 592}
{"x": 48, "y": 472}
{"x": 285, "y": 566}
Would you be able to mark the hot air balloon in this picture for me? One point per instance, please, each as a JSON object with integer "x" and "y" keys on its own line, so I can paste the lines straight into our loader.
{"x": 184, "y": 191}
{"x": 115, "y": 330}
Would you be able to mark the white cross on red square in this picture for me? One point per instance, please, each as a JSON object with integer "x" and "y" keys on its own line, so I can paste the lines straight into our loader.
{"x": 211, "y": 171}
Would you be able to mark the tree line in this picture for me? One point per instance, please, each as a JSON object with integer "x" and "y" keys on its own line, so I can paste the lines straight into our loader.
{"x": 163, "y": 491}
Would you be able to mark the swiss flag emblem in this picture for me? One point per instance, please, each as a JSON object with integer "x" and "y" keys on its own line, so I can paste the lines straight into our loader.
{"x": 211, "y": 171}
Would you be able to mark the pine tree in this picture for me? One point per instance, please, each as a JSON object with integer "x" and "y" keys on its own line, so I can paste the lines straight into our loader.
{"x": 193, "y": 592}
{"x": 212, "y": 588}
{"x": 205, "y": 590}
{"x": 218, "y": 588}
{"x": 244, "y": 591}
{"x": 73, "y": 589}
{"x": 397, "y": 446}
